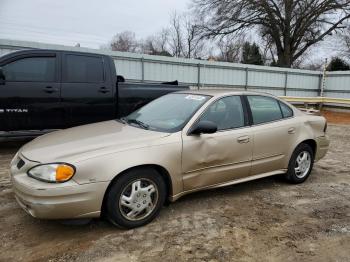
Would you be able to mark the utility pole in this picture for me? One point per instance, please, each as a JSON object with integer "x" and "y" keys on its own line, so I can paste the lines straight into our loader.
{"x": 323, "y": 85}
{"x": 324, "y": 77}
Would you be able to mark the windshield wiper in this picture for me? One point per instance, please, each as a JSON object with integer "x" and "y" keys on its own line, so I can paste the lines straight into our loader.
{"x": 137, "y": 122}
{"x": 123, "y": 120}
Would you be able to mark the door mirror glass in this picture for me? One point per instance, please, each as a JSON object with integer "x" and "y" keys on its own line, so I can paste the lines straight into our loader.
{"x": 2, "y": 76}
{"x": 204, "y": 127}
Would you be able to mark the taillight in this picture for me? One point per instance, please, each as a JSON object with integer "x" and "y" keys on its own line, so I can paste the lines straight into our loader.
{"x": 325, "y": 127}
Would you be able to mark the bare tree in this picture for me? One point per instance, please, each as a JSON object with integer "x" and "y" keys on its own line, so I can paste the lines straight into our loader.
{"x": 347, "y": 43}
{"x": 293, "y": 25}
{"x": 149, "y": 46}
{"x": 176, "y": 35}
{"x": 194, "y": 44}
{"x": 346, "y": 39}
{"x": 156, "y": 44}
{"x": 125, "y": 42}
{"x": 269, "y": 52}
{"x": 315, "y": 65}
{"x": 230, "y": 49}
{"x": 162, "y": 39}
{"x": 185, "y": 37}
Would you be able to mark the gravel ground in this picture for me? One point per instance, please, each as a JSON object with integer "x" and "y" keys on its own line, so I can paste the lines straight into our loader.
{"x": 263, "y": 220}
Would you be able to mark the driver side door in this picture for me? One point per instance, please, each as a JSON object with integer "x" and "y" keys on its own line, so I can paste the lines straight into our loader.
{"x": 30, "y": 92}
{"x": 226, "y": 155}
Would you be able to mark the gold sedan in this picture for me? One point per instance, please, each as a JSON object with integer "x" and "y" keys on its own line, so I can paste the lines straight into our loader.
{"x": 180, "y": 143}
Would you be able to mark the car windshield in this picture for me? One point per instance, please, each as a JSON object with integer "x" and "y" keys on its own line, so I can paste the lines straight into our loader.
{"x": 169, "y": 113}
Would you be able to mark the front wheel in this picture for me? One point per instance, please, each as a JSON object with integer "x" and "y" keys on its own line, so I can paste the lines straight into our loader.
{"x": 136, "y": 198}
{"x": 300, "y": 164}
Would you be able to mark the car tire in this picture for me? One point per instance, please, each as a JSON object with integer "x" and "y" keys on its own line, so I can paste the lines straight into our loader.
{"x": 136, "y": 198}
{"x": 300, "y": 164}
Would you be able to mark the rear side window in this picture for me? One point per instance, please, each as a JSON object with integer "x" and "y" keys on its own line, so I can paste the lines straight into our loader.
{"x": 31, "y": 69}
{"x": 286, "y": 110}
{"x": 264, "y": 109}
{"x": 83, "y": 69}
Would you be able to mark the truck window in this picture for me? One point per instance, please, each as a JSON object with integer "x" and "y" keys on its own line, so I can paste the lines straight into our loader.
{"x": 83, "y": 69}
{"x": 31, "y": 69}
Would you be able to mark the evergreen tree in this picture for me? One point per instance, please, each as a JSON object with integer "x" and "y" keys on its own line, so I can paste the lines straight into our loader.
{"x": 338, "y": 64}
{"x": 251, "y": 54}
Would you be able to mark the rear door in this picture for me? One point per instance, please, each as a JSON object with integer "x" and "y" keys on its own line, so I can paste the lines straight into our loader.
{"x": 274, "y": 130}
{"x": 87, "y": 89}
{"x": 30, "y": 94}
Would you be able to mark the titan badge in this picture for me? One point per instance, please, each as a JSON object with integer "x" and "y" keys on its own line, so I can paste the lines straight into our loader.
{"x": 14, "y": 110}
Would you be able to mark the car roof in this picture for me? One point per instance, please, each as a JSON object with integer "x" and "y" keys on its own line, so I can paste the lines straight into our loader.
{"x": 223, "y": 92}
{"x": 38, "y": 51}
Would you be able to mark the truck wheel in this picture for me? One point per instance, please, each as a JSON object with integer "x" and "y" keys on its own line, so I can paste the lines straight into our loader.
{"x": 300, "y": 164}
{"x": 136, "y": 198}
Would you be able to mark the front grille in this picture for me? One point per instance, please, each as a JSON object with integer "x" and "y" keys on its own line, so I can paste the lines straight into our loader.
{"x": 20, "y": 164}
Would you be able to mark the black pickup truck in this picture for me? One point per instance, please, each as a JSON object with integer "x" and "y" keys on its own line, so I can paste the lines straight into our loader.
{"x": 52, "y": 89}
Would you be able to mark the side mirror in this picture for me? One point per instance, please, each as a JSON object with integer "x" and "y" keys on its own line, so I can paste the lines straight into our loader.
{"x": 2, "y": 76}
{"x": 204, "y": 127}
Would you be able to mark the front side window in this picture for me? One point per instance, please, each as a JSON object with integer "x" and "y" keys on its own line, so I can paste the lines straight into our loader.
{"x": 169, "y": 113}
{"x": 31, "y": 69}
{"x": 226, "y": 113}
{"x": 83, "y": 69}
{"x": 264, "y": 109}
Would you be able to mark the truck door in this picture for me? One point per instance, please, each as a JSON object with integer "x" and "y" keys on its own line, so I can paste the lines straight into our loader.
{"x": 87, "y": 89}
{"x": 30, "y": 92}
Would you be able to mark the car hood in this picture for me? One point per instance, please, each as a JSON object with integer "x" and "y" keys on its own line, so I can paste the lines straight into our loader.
{"x": 87, "y": 140}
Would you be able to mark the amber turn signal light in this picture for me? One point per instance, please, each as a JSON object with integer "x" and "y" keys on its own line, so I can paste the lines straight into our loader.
{"x": 64, "y": 173}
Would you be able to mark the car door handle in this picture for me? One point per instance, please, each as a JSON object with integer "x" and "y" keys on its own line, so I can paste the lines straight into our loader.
{"x": 104, "y": 90}
{"x": 291, "y": 130}
{"x": 243, "y": 139}
{"x": 50, "y": 89}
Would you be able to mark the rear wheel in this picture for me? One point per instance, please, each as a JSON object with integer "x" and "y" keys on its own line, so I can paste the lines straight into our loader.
{"x": 300, "y": 164}
{"x": 136, "y": 198}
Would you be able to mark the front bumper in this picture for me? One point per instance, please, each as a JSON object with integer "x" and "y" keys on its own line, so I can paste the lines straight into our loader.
{"x": 322, "y": 147}
{"x": 56, "y": 201}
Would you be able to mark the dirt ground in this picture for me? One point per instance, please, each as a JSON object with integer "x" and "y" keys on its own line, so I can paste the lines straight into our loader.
{"x": 336, "y": 117}
{"x": 264, "y": 220}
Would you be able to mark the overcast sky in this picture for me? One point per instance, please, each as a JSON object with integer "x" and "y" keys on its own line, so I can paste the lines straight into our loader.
{"x": 91, "y": 23}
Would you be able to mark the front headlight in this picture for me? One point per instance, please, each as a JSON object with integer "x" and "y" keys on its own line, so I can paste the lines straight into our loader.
{"x": 52, "y": 173}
